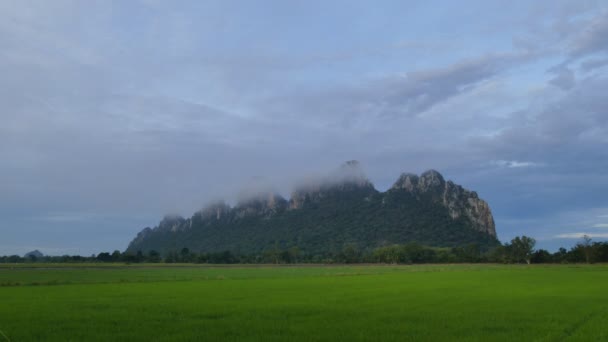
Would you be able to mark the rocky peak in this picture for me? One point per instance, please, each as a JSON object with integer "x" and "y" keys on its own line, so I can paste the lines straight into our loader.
{"x": 261, "y": 205}
{"x": 407, "y": 181}
{"x": 350, "y": 172}
{"x": 301, "y": 196}
{"x": 171, "y": 222}
{"x": 462, "y": 202}
{"x": 459, "y": 202}
{"x": 430, "y": 179}
{"x": 214, "y": 211}
{"x": 275, "y": 202}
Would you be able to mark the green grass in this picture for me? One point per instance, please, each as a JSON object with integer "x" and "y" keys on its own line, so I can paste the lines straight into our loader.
{"x": 311, "y": 303}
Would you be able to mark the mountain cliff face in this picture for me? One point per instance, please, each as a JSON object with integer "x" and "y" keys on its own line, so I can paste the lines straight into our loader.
{"x": 458, "y": 201}
{"x": 320, "y": 218}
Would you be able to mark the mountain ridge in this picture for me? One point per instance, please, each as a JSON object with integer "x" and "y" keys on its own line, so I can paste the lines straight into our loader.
{"x": 344, "y": 208}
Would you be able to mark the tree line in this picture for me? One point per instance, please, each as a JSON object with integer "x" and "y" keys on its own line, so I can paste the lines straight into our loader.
{"x": 518, "y": 250}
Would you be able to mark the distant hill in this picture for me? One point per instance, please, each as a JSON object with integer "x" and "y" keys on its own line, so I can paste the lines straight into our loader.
{"x": 321, "y": 218}
{"x": 34, "y": 254}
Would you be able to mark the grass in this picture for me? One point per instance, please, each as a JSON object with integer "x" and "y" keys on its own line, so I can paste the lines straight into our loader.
{"x": 312, "y": 303}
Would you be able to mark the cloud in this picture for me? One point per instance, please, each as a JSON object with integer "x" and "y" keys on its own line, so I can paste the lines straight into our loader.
{"x": 67, "y": 217}
{"x": 593, "y": 38}
{"x": 419, "y": 91}
{"x": 564, "y": 78}
{"x": 593, "y": 64}
{"x": 142, "y": 110}
{"x": 514, "y": 164}
{"x": 583, "y": 36}
{"x": 400, "y": 96}
{"x": 600, "y": 225}
{"x": 556, "y": 129}
{"x": 581, "y": 235}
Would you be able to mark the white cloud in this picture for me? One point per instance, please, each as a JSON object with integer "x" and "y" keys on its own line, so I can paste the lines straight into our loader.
{"x": 600, "y": 225}
{"x": 514, "y": 164}
{"x": 581, "y": 235}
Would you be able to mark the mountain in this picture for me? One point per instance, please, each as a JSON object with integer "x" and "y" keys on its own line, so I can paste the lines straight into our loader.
{"x": 322, "y": 217}
{"x": 35, "y": 254}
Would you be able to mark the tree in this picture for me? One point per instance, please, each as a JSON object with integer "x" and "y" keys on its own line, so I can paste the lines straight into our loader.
{"x": 561, "y": 255}
{"x": 294, "y": 253}
{"x": 600, "y": 251}
{"x": 185, "y": 255}
{"x": 116, "y": 256}
{"x": 350, "y": 253}
{"x": 128, "y": 257}
{"x": 541, "y": 256}
{"x": 468, "y": 253}
{"x": 576, "y": 254}
{"x": 274, "y": 254}
{"x": 414, "y": 252}
{"x": 522, "y": 248}
{"x": 171, "y": 257}
{"x": 587, "y": 248}
{"x": 14, "y": 259}
{"x": 500, "y": 254}
{"x": 391, "y": 255}
{"x": 104, "y": 257}
{"x": 139, "y": 257}
{"x": 153, "y": 256}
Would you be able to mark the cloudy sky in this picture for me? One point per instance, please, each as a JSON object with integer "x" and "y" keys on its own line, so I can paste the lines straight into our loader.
{"x": 114, "y": 113}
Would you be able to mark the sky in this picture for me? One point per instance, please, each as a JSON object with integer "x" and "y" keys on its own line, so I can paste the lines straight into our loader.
{"x": 115, "y": 113}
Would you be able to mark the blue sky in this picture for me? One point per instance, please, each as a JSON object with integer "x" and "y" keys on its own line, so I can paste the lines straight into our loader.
{"x": 117, "y": 112}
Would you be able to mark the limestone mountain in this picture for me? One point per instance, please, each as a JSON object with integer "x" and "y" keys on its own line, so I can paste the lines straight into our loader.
{"x": 322, "y": 217}
{"x": 458, "y": 201}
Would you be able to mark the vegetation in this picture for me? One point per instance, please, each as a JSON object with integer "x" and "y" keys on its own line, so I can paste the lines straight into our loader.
{"x": 184, "y": 303}
{"x": 519, "y": 250}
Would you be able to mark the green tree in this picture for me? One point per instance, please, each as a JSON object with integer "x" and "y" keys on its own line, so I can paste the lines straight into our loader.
{"x": 350, "y": 253}
{"x": 541, "y": 256}
{"x": 171, "y": 257}
{"x": 499, "y": 254}
{"x": 116, "y": 256}
{"x": 104, "y": 257}
{"x": 153, "y": 256}
{"x": 587, "y": 248}
{"x": 275, "y": 253}
{"x": 184, "y": 255}
{"x": 391, "y": 255}
{"x": 294, "y": 253}
{"x": 561, "y": 255}
{"x": 522, "y": 248}
{"x": 600, "y": 251}
{"x": 139, "y": 257}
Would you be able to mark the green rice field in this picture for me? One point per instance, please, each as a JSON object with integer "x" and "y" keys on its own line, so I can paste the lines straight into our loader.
{"x": 45, "y": 302}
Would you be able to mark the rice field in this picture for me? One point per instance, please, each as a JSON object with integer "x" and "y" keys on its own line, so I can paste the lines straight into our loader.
{"x": 44, "y": 302}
